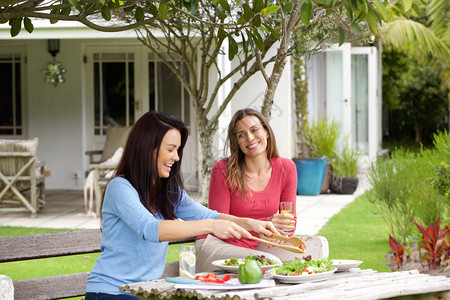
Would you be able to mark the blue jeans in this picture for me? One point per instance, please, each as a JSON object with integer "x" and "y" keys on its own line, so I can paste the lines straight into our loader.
{"x": 102, "y": 296}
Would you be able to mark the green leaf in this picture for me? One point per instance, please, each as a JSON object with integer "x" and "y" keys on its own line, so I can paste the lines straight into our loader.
{"x": 355, "y": 5}
{"x": 258, "y": 40}
{"x": 28, "y": 25}
{"x": 65, "y": 11}
{"x": 16, "y": 25}
{"x": 349, "y": 10}
{"x": 371, "y": 19}
{"x": 407, "y": 4}
{"x": 258, "y": 5}
{"x": 106, "y": 13}
{"x": 232, "y": 47}
{"x": 221, "y": 35}
{"x": 361, "y": 16}
{"x": 416, "y": 8}
{"x": 248, "y": 12}
{"x": 364, "y": 6}
{"x": 272, "y": 31}
{"x": 54, "y": 11}
{"x": 129, "y": 8}
{"x": 356, "y": 28}
{"x": 153, "y": 10}
{"x": 287, "y": 7}
{"x": 163, "y": 10}
{"x": 256, "y": 21}
{"x": 381, "y": 9}
{"x": 139, "y": 14}
{"x": 341, "y": 36}
{"x": 225, "y": 5}
{"x": 241, "y": 20}
{"x": 306, "y": 12}
{"x": 270, "y": 10}
{"x": 73, "y": 2}
{"x": 244, "y": 44}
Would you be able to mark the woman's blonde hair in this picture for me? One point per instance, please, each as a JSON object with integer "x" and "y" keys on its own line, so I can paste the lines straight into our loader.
{"x": 235, "y": 169}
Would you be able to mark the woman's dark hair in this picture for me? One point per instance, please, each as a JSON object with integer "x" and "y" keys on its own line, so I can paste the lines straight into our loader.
{"x": 139, "y": 163}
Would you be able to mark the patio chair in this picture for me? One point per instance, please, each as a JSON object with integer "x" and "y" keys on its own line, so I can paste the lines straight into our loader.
{"x": 115, "y": 137}
{"x": 102, "y": 164}
{"x": 22, "y": 177}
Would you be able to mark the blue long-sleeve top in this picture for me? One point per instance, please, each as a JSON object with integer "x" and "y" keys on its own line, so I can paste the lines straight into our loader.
{"x": 131, "y": 250}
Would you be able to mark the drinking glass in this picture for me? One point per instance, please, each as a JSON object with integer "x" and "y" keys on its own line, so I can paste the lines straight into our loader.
{"x": 287, "y": 208}
{"x": 187, "y": 261}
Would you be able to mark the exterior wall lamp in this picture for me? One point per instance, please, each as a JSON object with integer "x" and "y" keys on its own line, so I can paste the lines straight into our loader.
{"x": 54, "y": 71}
{"x": 53, "y": 47}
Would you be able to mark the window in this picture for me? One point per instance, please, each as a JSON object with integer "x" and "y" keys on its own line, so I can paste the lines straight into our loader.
{"x": 118, "y": 77}
{"x": 11, "y": 119}
{"x": 166, "y": 93}
{"x": 113, "y": 90}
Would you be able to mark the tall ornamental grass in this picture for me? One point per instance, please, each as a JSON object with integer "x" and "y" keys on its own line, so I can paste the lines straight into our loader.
{"x": 402, "y": 188}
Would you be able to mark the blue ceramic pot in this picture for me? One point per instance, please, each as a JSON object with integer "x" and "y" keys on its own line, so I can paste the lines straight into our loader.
{"x": 310, "y": 175}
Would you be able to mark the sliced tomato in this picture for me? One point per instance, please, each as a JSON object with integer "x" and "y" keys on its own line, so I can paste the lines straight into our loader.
{"x": 226, "y": 277}
{"x": 211, "y": 277}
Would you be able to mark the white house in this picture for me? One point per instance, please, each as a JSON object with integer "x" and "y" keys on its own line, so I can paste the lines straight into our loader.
{"x": 69, "y": 118}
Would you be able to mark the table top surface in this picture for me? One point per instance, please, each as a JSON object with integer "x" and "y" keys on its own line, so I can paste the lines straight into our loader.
{"x": 354, "y": 283}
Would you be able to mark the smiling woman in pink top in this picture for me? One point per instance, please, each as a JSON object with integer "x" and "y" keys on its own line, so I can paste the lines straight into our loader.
{"x": 250, "y": 182}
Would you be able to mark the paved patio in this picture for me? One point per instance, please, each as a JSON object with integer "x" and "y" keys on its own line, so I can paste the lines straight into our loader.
{"x": 65, "y": 209}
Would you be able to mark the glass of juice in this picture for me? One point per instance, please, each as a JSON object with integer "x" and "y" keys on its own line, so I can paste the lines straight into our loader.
{"x": 187, "y": 261}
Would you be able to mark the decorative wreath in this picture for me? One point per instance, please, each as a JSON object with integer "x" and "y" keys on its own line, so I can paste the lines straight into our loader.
{"x": 54, "y": 73}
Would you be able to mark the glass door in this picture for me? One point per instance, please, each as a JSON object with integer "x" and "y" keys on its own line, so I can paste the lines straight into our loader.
{"x": 360, "y": 101}
{"x": 111, "y": 91}
{"x": 366, "y": 100}
{"x": 338, "y": 87}
{"x": 166, "y": 94}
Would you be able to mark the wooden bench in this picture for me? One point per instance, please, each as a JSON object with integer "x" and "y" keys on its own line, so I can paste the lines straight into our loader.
{"x": 26, "y": 247}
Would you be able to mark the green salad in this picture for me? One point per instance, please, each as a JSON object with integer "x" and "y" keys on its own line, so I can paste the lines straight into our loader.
{"x": 260, "y": 259}
{"x": 303, "y": 266}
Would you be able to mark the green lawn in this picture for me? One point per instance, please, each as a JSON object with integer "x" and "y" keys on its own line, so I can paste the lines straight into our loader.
{"x": 355, "y": 233}
{"x": 358, "y": 233}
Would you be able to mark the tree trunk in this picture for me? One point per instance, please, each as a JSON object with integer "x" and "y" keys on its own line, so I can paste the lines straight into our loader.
{"x": 418, "y": 131}
{"x": 207, "y": 160}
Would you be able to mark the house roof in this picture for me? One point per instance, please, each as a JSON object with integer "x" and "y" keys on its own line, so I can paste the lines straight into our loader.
{"x": 62, "y": 30}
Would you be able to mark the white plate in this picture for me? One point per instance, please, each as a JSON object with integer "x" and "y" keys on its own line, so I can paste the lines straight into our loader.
{"x": 235, "y": 269}
{"x": 345, "y": 264}
{"x": 304, "y": 278}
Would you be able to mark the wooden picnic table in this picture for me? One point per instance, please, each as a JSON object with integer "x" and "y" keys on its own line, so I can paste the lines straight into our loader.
{"x": 352, "y": 284}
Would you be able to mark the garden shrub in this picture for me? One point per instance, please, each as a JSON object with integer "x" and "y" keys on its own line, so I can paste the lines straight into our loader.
{"x": 441, "y": 178}
{"x": 390, "y": 194}
{"x": 402, "y": 188}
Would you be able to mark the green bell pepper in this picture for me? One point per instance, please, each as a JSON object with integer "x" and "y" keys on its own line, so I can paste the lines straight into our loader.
{"x": 250, "y": 272}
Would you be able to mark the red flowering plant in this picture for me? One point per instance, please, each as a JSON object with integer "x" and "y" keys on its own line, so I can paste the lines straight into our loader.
{"x": 436, "y": 243}
{"x": 397, "y": 249}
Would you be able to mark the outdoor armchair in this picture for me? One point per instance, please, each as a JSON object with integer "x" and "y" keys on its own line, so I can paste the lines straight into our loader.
{"x": 22, "y": 176}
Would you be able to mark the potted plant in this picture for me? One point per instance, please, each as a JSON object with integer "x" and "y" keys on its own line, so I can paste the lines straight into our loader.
{"x": 310, "y": 170}
{"x": 344, "y": 172}
{"x": 315, "y": 142}
{"x": 323, "y": 136}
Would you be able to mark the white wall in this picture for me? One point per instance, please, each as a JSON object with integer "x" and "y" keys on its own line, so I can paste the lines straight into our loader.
{"x": 251, "y": 95}
{"x": 55, "y": 113}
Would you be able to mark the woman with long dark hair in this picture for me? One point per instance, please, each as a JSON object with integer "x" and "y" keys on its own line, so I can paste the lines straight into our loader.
{"x": 251, "y": 181}
{"x": 142, "y": 206}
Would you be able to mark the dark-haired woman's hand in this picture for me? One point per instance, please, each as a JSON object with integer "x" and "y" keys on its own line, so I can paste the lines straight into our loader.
{"x": 265, "y": 228}
{"x": 225, "y": 229}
